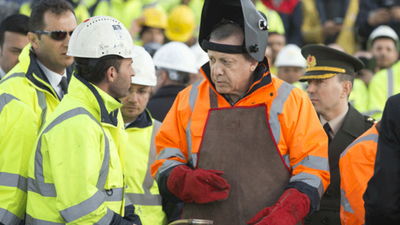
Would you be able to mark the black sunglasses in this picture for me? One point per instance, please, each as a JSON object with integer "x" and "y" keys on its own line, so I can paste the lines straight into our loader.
{"x": 57, "y": 35}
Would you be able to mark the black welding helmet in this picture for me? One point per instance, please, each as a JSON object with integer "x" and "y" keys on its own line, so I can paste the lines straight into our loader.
{"x": 242, "y": 12}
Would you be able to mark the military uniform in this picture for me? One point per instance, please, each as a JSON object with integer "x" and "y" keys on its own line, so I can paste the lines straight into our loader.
{"x": 323, "y": 63}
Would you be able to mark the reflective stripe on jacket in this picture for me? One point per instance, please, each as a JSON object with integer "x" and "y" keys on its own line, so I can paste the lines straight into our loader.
{"x": 141, "y": 153}
{"x": 27, "y": 82}
{"x": 76, "y": 173}
{"x": 356, "y": 168}
{"x": 383, "y": 84}
{"x": 295, "y": 127}
{"x": 17, "y": 136}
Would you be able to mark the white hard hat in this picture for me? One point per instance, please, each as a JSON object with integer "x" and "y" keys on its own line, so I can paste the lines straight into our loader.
{"x": 101, "y": 36}
{"x": 176, "y": 56}
{"x": 145, "y": 73}
{"x": 200, "y": 54}
{"x": 383, "y": 31}
{"x": 290, "y": 55}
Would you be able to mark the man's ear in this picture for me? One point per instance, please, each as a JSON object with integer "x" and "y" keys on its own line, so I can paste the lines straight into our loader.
{"x": 253, "y": 64}
{"x": 347, "y": 86}
{"x": 111, "y": 74}
{"x": 162, "y": 78}
{"x": 33, "y": 39}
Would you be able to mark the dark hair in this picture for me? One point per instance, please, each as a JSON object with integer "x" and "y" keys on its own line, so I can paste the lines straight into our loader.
{"x": 58, "y": 7}
{"x": 345, "y": 77}
{"x": 226, "y": 29}
{"x": 16, "y": 23}
{"x": 96, "y": 73}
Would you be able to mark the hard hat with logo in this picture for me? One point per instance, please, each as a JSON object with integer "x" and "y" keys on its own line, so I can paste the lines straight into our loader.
{"x": 290, "y": 55}
{"x": 101, "y": 36}
{"x": 181, "y": 24}
{"x": 145, "y": 72}
{"x": 383, "y": 31}
{"x": 175, "y": 56}
{"x": 242, "y": 12}
{"x": 154, "y": 17}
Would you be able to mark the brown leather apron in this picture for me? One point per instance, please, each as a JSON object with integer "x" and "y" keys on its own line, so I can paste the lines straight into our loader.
{"x": 238, "y": 141}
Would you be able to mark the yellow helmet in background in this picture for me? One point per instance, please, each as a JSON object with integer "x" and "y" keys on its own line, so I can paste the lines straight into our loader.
{"x": 181, "y": 24}
{"x": 154, "y": 17}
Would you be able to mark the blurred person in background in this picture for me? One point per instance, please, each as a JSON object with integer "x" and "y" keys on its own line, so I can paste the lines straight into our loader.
{"x": 201, "y": 59}
{"x": 384, "y": 44}
{"x": 291, "y": 14}
{"x": 181, "y": 25}
{"x": 174, "y": 62}
{"x": 79, "y": 7}
{"x": 373, "y": 13}
{"x": 13, "y": 38}
{"x": 276, "y": 41}
{"x": 291, "y": 65}
{"x": 150, "y": 27}
{"x": 330, "y": 22}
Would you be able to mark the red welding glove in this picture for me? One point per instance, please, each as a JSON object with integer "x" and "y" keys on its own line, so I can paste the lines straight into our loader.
{"x": 200, "y": 186}
{"x": 291, "y": 207}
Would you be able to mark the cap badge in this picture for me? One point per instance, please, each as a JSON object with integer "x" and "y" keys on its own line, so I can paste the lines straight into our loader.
{"x": 311, "y": 61}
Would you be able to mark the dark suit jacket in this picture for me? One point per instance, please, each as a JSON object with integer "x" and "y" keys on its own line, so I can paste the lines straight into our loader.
{"x": 353, "y": 126}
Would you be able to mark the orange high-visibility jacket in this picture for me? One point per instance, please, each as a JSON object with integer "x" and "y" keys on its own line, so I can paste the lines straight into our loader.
{"x": 294, "y": 124}
{"x": 356, "y": 169}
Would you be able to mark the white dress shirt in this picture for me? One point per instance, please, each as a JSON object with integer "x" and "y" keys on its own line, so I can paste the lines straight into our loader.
{"x": 54, "y": 78}
{"x": 335, "y": 124}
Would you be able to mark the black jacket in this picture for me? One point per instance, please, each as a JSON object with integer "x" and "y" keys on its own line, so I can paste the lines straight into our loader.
{"x": 353, "y": 126}
{"x": 161, "y": 102}
{"x": 382, "y": 197}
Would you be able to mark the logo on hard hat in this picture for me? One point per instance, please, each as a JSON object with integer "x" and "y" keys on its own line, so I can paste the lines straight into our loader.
{"x": 311, "y": 61}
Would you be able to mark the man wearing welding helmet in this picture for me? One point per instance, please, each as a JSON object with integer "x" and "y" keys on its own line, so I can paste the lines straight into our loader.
{"x": 241, "y": 146}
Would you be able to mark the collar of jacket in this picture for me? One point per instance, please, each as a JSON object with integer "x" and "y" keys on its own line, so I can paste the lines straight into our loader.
{"x": 34, "y": 74}
{"x": 94, "y": 97}
{"x": 142, "y": 121}
{"x": 262, "y": 77}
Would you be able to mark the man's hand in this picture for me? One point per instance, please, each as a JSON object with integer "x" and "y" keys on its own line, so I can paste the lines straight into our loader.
{"x": 330, "y": 28}
{"x": 379, "y": 16}
{"x": 200, "y": 186}
{"x": 291, "y": 207}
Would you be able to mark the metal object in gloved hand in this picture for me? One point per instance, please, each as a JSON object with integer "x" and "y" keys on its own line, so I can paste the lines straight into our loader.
{"x": 200, "y": 186}
{"x": 291, "y": 208}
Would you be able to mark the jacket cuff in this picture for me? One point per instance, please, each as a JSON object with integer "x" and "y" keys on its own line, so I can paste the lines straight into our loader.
{"x": 310, "y": 191}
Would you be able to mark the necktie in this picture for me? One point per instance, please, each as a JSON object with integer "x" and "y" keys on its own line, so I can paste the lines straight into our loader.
{"x": 327, "y": 128}
{"x": 64, "y": 85}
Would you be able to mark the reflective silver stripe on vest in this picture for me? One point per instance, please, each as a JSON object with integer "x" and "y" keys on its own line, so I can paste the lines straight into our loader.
{"x": 286, "y": 159}
{"x": 169, "y": 153}
{"x": 310, "y": 179}
{"x": 11, "y": 76}
{"x": 390, "y": 82}
{"x": 276, "y": 109}
{"x": 7, "y": 217}
{"x": 165, "y": 166}
{"x": 5, "y": 99}
{"x": 192, "y": 102}
{"x": 314, "y": 162}
{"x": 147, "y": 198}
{"x": 29, "y": 220}
{"x": 144, "y": 199}
{"x": 48, "y": 190}
{"x": 106, "y": 219}
{"x": 369, "y": 137}
{"x": 113, "y": 194}
{"x": 43, "y": 106}
{"x": 13, "y": 180}
{"x": 345, "y": 202}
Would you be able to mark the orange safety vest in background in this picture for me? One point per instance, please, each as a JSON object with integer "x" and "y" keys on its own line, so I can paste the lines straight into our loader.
{"x": 356, "y": 169}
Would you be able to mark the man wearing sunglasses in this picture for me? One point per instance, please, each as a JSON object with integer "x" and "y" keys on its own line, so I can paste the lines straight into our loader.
{"x": 39, "y": 81}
